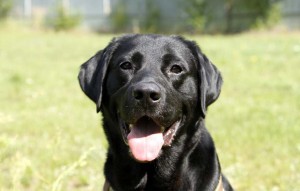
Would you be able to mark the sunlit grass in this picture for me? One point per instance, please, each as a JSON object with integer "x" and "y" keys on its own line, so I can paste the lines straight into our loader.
{"x": 256, "y": 120}
{"x": 50, "y": 135}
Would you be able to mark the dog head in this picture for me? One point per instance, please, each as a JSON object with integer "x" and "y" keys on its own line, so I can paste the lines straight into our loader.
{"x": 153, "y": 86}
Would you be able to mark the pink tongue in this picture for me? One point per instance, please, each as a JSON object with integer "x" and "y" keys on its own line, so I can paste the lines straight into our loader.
{"x": 145, "y": 141}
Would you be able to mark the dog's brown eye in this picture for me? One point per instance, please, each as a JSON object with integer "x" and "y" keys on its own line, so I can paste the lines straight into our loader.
{"x": 176, "y": 69}
{"x": 126, "y": 66}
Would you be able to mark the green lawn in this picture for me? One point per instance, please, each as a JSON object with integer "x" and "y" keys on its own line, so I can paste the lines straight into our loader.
{"x": 50, "y": 134}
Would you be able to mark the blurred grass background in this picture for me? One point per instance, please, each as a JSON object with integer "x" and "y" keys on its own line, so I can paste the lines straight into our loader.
{"x": 51, "y": 137}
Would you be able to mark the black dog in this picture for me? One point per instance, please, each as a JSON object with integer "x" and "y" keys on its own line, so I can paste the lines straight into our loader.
{"x": 153, "y": 92}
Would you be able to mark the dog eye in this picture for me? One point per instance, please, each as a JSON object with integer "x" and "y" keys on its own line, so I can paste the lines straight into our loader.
{"x": 126, "y": 66}
{"x": 176, "y": 69}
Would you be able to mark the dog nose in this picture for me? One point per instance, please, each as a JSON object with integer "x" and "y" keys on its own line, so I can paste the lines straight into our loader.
{"x": 149, "y": 92}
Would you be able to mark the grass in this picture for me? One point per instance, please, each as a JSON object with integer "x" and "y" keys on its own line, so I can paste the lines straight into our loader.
{"x": 50, "y": 135}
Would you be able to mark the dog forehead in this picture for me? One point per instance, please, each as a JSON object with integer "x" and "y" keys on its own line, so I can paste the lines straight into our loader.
{"x": 152, "y": 46}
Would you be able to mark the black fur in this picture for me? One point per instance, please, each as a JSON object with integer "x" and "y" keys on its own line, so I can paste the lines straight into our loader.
{"x": 184, "y": 83}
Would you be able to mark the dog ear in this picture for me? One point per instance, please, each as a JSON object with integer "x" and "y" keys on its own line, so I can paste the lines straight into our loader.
{"x": 91, "y": 77}
{"x": 210, "y": 80}
{"x": 92, "y": 74}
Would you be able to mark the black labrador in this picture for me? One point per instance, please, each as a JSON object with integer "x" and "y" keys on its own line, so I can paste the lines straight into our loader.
{"x": 153, "y": 92}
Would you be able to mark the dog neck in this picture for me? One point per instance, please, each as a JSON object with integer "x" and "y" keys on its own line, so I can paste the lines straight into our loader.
{"x": 107, "y": 187}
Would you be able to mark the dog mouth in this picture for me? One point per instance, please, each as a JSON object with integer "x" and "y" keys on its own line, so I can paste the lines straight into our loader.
{"x": 146, "y": 137}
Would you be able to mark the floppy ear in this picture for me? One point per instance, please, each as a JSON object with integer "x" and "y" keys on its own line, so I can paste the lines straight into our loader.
{"x": 92, "y": 74}
{"x": 210, "y": 80}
